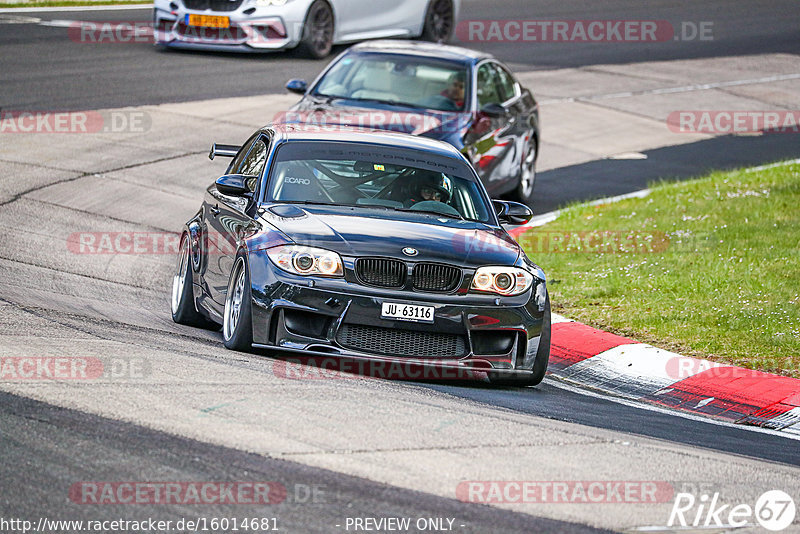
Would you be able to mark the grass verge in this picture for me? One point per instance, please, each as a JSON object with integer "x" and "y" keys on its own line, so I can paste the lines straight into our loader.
{"x": 708, "y": 268}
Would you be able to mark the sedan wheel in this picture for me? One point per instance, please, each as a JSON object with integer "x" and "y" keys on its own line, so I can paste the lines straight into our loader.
{"x": 237, "y": 327}
{"x": 524, "y": 191}
{"x": 439, "y": 21}
{"x": 317, "y": 40}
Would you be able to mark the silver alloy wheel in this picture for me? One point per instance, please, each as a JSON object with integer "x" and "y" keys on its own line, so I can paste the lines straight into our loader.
{"x": 179, "y": 279}
{"x": 233, "y": 301}
{"x": 528, "y": 173}
{"x": 440, "y": 20}
{"x": 321, "y": 29}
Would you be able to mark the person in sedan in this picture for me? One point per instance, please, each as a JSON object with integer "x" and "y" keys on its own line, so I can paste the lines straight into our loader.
{"x": 455, "y": 89}
{"x": 431, "y": 186}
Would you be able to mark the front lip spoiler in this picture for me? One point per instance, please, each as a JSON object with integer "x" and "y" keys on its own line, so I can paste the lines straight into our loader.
{"x": 466, "y": 366}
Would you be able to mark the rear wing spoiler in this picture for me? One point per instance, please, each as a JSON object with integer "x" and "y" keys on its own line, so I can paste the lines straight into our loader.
{"x": 224, "y": 151}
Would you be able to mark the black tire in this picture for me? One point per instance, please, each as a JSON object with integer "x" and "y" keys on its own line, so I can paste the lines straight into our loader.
{"x": 439, "y": 22}
{"x": 539, "y": 364}
{"x": 527, "y": 177}
{"x": 184, "y": 310}
{"x": 317, "y": 40}
{"x": 237, "y": 325}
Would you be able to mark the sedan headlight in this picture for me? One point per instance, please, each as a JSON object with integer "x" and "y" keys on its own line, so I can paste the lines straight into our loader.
{"x": 268, "y": 3}
{"x": 507, "y": 281}
{"x": 306, "y": 261}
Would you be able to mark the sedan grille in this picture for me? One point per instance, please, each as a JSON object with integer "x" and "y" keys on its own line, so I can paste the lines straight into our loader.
{"x": 436, "y": 277}
{"x": 396, "y": 342}
{"x": 381, "y": 272}
{"x": 214, "y": 5}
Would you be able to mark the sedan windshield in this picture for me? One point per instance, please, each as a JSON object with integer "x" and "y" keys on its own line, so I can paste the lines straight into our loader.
{"x": 398, "y": 80}
{"x": 373, "y": 176}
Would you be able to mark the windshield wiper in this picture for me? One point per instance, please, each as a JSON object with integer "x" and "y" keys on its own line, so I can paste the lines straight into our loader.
{"x": 432, "y": 212}
{"x": 327, "y": 98}
{"x": 385, "y": 101}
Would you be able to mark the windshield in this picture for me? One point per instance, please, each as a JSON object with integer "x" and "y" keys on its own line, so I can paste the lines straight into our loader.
{"x": 400, "y": 80}
{"x": 353, "y": 174}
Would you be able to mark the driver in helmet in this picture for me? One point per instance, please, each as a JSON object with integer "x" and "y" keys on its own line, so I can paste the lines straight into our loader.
{"x": 431, "y": 186}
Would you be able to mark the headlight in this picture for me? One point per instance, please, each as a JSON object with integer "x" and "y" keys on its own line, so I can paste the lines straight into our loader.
{"x": 268, "y": 3}
{"x": 506, "y": 281}
{"x": 306, "y": 261}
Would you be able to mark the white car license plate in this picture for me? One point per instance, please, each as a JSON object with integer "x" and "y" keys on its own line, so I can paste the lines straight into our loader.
{"x": 407, "y": 312}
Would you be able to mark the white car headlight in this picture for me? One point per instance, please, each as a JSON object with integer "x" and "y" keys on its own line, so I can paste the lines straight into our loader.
{"x": 268, "y": 3}
{"x": 306, "y": 261}
{"x": 507, "y": 281}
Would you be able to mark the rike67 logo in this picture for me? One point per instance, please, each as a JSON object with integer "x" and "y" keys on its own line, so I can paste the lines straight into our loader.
{"x": 774, "y": 510}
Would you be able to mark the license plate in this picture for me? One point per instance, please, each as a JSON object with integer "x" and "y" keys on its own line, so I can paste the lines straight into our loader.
{"x": 208, "y": 21}
{"x": 407, "y": 312}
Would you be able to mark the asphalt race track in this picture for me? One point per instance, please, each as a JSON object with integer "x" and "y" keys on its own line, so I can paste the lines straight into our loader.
{"x": 193, "y": 411}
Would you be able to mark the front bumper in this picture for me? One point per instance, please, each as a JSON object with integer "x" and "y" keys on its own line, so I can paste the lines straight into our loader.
{"x": 248, "y": 32}
{"x": 324, "y": 317}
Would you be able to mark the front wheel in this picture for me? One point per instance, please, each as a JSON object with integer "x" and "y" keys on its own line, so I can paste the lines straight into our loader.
{"x": 439, "y": 21}
{"x": 237, "y": 325}
{"x": 317, "y": 40}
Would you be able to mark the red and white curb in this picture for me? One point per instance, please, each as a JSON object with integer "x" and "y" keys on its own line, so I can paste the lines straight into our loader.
{"x": 623, "y": 367}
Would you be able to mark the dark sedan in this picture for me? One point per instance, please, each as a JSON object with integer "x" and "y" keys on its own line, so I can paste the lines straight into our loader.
{"x": 375, "y": 246}
{"x": 466, "y": 98}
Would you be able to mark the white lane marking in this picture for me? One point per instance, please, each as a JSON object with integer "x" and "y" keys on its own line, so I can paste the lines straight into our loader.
{"x": 60, "y": 23}
{"x": 556, "y": 382}
{"x": 703, "y": 402}
{"x": 773, "y": 165}
{"x": 628, "y": 155}
{"x": 556, "y": 318}
{"x": 74, "y": 8}
{"x": 673, "y": 90}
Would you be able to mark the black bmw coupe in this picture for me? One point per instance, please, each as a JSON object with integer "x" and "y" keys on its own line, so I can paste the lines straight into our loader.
{"x": 363, "y": 245}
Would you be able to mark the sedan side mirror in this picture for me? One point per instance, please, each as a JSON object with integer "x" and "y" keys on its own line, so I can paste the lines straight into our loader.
{"x": 494, "y": 110}
{"x": 512, "y": 212}
{"x": 297, "y": 86}
{"x": 234, "y": 185}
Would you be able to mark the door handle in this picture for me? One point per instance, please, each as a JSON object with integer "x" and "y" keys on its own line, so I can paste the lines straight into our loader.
{"x": 214, "y": 210}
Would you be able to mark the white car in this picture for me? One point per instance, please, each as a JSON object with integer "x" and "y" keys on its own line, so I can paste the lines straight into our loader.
{"x": 314, "y": 25}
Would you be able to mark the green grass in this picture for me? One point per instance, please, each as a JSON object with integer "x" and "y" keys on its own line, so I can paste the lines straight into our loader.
{"x": 68, "y": 3}
{"x": 713, "y": 270}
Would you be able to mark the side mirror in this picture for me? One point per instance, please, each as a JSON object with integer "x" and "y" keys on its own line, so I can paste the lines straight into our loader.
{"x": 512, "y": 212}
{"x": 297, "y": 86}
{"x": 234, "y": 185}
{"x": 495, "y": 111}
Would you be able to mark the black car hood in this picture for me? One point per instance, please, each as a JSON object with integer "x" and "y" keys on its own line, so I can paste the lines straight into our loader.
{"x": 360, "y": 232}
{"x": 351, "y": 113}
